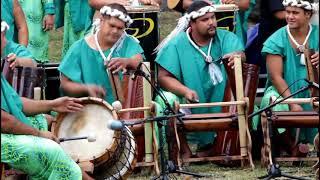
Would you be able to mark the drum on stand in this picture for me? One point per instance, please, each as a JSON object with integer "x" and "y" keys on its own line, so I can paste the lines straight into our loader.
{"x": 113, "y": 152}
{"x": 145, "y": 28}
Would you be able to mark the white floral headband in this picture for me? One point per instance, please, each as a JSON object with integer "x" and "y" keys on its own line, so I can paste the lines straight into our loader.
{"x": 4, "y": 26}
{"x": 183, "y": 24}
{"x": 106, "y": 10}
{"x": 301, "y": 4}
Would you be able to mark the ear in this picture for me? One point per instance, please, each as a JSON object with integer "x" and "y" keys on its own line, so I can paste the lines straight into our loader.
{"x": 308, "y": 14}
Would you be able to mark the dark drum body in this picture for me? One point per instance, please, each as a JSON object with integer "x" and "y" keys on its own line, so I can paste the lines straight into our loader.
{"x": 52, "y": 83}
{"x": 145, "y": 28}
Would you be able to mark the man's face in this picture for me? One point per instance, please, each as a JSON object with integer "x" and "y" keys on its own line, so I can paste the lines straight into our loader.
{"x": 3, "y": 42}
{"x": 297, "y": 17}
{"x": 205, "y": 25}
{"x": 112, "y": 29}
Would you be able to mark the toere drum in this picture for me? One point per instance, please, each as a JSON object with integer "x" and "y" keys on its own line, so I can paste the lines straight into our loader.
{"x": 145, "y": 27}
{"x": 112, "y": 153}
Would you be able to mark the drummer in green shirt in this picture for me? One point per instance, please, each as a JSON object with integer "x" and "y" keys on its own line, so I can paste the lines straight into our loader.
{"x": 83, "y": 69}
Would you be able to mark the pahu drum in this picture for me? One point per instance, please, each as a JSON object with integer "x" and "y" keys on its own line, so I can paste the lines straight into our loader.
{"x": 226, "y": 16}
{"x": 145, "y": 27}
{"x": 113, "y": 152}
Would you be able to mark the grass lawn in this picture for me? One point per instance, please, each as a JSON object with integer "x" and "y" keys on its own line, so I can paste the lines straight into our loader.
{"x": 167, "y": 23}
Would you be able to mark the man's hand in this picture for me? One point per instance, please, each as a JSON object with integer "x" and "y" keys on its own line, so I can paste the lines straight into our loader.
{"x": 96, "y": 91}
{"x": 149, "y": 2}
{"x": 230, "y": 58}
{"x": 117, "y": 64}
{"x": 13, "y": 60}
{"x": 48, "y": 135}
{"x": 315, "y": 59}
{"x": 295, "y": 107}
{"x": 228, "y": 1}
{"x": 48, "y": 22}
{"x": 191, "y": 96}
{"x": 66, "y": 104}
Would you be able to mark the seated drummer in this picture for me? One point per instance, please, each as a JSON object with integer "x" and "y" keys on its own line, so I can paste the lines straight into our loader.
{"x": 83, "y": 69}
{"x": 286, "y": 66}
{"x": 26, "y": 144}
{"x": 190, "y": 64}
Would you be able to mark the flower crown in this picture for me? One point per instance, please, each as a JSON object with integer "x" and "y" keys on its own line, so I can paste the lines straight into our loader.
{"x": 302, "y": 4}
{"x": 106, "y": 10}
{"x": 4, "y": 26}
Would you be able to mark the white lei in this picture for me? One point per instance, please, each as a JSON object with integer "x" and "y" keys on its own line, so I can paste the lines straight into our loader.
{"x": 116, "y": 46}
{"x": 301, "y": 47}
{"x": 4, "y": 26}
{"x": 213, "y": 69}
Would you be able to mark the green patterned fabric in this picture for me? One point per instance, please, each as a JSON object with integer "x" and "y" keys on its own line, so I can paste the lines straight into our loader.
{"x": 293, "y": 72}
{"x": 76, "y": 17}
{"x": 7, "y": 16}
{"x": 82, "y": 64}
{"x": 11, "y": 102}
{"x": 187, "y": 65}
{"x": 34, "y": 11}
{"x": 241, "y": 21}
{"x": 40, "y": 158}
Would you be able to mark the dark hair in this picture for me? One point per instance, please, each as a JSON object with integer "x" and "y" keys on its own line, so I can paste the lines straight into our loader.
{"x": 196, "y": 5}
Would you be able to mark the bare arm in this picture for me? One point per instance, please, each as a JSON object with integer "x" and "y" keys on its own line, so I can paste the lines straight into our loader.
{"x": 79, "y": 90}
{"x": 72, "y": 88}
{"x": 117, "y": 64}
{"x": 98, "y": 4}
{"x": 186, "y": 4}
{"x": 20, "y": 61}
{"x": 11, "y": 125}
{"x": 20, "y": 23}
{"x": 275, "y": 69}
{"x": 63, "y": 104}
{"x": 169, "y": 83}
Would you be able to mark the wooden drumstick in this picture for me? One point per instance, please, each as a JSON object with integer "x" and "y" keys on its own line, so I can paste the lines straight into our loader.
{"x": 240, "y": 96}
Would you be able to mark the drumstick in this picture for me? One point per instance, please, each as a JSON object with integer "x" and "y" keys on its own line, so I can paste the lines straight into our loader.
{"x": 91, "y": 138}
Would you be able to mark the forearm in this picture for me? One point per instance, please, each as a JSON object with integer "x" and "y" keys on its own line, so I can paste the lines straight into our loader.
{"x": 134, "y": 61}
{"x": 98, "y": 4}
{"x": 33, "y": 107}
{"x": 186, "y": 4}
{"x": 11, "y": 125}
{"x": 26, "y": 62}
{"x": 243, "y": 4}
{"x": 21, "y": 24}
{"x": 72, "y": 88}
{"x": 173, "y": 85}
{"x": 281, "y": 85}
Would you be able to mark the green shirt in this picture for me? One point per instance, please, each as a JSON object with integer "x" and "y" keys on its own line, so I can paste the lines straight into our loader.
{"x": 82, "y": 64}
{"x": 11, "y": 102}
{"x": 279, "y": 44}
{"x": 80, "y": 11}
{"x": 18, "y": 49}
{"x": 187, "y": 65}
{"x": 7, "y": 16}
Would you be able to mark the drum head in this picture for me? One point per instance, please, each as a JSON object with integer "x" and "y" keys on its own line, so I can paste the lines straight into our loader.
{"x": 92, "y": 120}
{"x": 142, "y": 9}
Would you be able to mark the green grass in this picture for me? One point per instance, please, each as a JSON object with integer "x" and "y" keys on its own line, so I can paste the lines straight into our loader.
{"x": 212, "y": 171}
